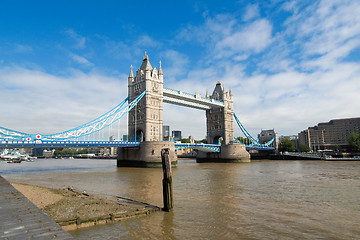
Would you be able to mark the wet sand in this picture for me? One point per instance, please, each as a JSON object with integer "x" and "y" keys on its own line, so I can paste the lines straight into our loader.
{"x": 74, "y": 209}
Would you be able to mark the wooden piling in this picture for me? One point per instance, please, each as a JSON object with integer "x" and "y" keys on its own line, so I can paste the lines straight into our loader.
{"x": 167, "y": 180}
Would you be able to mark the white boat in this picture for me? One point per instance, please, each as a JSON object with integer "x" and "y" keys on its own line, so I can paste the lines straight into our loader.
{"x": 14, "y": 155}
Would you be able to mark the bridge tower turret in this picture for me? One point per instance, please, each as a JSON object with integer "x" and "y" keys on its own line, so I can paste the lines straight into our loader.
{"x": 146, "y": 119}
{"x": 220, "y": 121}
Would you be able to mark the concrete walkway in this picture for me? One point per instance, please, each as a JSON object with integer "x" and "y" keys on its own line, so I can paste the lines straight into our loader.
{"x": 21, "y": 219}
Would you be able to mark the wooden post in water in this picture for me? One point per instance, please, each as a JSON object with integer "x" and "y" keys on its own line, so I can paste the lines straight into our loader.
{"x": 167, "y": 180}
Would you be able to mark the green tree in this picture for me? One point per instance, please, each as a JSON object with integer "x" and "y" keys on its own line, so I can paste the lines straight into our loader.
{"x": 287, "y": 145}
{"x": 244, "y": 140}
{"x": 354, "y": 141}
{"x": 203, "y": 140}
{"x": 185, "y": 140}
{"x": 304, "y": 148}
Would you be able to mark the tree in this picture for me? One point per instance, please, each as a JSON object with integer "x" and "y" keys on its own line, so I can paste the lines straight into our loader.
{"x": 304, "y": 148}
{"x": 287, "y": 145}
{"x": 354, "y": 141}
{"x": 243, "y": 140}
{"x": 185, "y": 140}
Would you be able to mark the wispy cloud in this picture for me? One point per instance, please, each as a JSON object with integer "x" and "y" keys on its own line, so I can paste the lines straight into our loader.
{"x": 81, "y": 60}
{"x": 175, "y": 64}
{"x": 80, "y": 41}
{"x": 225, "y": 36}
{"x": 252, "y": 11}
{"x": 19, "y": 48}
{"x": 146, "y": 41}
{"x": 46, "y": 103}
{"x": 254, "y": 37}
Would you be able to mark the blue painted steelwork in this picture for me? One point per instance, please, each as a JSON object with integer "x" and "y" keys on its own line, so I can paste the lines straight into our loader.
{"x": 93, "y": 126}
{"x": 249, "y": 147}
{"x": 216, "y": 147}
{"x": 97, "y": 124}
{"x": 48, "y": 144}
{"x": 254, "y": 143}
{"x": 211, "y": 147}
{"x": 89, "y": 144}
{"x": 8, "y": 134}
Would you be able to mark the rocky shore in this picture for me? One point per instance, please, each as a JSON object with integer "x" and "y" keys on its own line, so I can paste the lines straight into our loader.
{"x": 74, "y": 209}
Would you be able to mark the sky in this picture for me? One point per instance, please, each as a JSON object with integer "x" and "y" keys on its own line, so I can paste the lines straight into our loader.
{"x": 290, "y": 64}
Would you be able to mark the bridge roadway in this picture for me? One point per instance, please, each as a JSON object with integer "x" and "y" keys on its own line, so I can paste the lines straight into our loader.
{"x": 87, "y": 144}
{"x": 21, "y": 219}
{"x": 47, "y": 144}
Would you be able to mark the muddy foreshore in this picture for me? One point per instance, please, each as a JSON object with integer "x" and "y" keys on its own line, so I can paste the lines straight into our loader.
{"x": 74, "y": 209}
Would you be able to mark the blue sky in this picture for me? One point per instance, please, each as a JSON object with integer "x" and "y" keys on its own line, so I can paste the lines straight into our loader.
{"x": 290, "y": 64}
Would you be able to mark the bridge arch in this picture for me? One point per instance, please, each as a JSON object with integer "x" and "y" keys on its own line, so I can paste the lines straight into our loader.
{"x": 218, "y": 140}
{"x": 140, "y": 136}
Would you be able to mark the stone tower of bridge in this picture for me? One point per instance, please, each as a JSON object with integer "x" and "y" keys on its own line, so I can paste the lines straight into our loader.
{"x": 146, "y": 119}
{"x": 220, "y": 121}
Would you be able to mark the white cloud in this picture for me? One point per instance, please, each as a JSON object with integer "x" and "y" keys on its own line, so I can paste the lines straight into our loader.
{"x": 19, "y": 48}
{"x": 326, "y": 26}
{"x": 146, "y": 41}
{"x": 252, "y": 11}
{"x": 225, "y": 36}
{"x": 80, "y": 59}
{"x": 80, "y": 41}
{"x": 175, "y": 64}
{"x": 254, "y": 37}
{"x": 38, "y": 102}
{"x": 214, "y": 29}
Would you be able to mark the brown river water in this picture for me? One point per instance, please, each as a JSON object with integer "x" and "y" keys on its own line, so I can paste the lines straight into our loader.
{"x": 257, "y": 200}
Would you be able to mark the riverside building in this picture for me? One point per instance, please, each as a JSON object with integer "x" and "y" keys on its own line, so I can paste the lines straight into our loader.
{"x": 331, "y": 135}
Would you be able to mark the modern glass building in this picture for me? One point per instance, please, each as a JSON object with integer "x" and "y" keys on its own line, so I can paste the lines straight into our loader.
{"x": 176, "y": 135}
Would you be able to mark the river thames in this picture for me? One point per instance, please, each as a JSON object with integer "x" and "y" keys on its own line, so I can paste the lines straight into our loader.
{"x": 258, "y": 200}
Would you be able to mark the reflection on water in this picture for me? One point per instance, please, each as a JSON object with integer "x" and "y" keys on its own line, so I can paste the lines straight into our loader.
{"x": 257, "y": 200}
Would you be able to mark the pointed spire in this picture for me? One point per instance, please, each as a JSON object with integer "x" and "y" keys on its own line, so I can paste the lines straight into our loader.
{"x": 160, "y": 69}
{"x": 131, "y": 75}
{"x": 207, "y": 94}
{"x": 146, "y": 57}
{"x": 146, "y": 63}
{"x": 230, "y": 92}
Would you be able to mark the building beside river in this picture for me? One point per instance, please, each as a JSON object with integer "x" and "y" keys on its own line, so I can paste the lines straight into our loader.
{"x": 330, "y": 135}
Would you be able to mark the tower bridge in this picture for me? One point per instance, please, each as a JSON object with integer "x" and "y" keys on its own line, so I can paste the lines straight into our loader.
{"x": 144, "y": 106}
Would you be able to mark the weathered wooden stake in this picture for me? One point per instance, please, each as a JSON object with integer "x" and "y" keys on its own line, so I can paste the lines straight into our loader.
{"x": 167, "y": 180}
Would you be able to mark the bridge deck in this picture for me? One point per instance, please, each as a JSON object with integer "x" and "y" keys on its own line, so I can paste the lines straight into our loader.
{"x": 21, "y": 219}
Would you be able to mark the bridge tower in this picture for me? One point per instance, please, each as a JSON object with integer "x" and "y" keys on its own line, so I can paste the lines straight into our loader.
{"x": 220, "y": 126}
{"x": 145, "y": 122}
{"x": 220, "y": 121}
{"x": 145, "y": 119}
